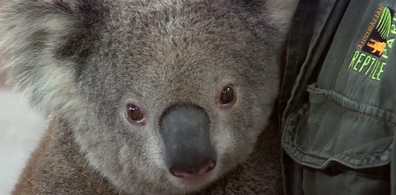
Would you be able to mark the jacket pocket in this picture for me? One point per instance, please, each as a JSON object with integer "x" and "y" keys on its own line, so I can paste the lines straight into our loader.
{"x": 334, "y": 134}
{"x": 332, "y": 128}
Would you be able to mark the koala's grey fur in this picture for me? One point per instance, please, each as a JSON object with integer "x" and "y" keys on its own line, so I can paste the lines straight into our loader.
{"x": 82, "y": 60}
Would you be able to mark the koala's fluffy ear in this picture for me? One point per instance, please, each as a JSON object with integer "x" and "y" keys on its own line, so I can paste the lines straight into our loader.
{"x": 281, "y": 12}
{"x": 40, "y": 44}
{"x": 270, "y": 18}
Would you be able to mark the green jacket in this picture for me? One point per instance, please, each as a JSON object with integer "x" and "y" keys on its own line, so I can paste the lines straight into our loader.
{"x": 338, "y": 99}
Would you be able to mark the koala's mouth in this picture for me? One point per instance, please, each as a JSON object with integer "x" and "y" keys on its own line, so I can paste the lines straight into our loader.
{"x": 194, "y": 182}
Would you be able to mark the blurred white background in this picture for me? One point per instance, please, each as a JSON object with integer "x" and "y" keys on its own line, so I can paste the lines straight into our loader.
{"x": 20, "y": 131}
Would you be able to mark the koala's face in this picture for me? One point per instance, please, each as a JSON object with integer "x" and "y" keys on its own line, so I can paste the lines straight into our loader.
{"x": 178, "y": 99}
{"x": 168, "y": 95}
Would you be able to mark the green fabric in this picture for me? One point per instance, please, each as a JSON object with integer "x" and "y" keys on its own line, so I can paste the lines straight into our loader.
{"x": 338, "y": 100}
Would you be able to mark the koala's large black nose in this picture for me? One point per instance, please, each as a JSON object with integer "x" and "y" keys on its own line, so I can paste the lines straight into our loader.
{"x": 188, "y": 147}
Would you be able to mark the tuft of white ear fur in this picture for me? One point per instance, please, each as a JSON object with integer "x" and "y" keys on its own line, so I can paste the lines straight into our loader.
{"x": 281, "y": 13}
{"x": 30, "y": 33}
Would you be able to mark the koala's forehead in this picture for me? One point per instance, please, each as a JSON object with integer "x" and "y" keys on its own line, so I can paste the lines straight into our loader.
{"x": 156, "y": 50}
{"x": 158, "y": 31}
{"x": 166, "y": 41}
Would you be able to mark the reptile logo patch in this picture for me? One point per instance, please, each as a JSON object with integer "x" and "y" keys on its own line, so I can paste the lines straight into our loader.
{"x": 377, "y": 41}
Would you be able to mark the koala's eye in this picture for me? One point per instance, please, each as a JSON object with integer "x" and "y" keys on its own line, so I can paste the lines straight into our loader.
{"x": 227, "y": 95}
{"x": 134, "y": 113}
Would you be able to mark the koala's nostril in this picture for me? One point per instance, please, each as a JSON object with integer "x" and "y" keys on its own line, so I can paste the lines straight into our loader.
{"x": 177, "y": 172}
{"x": 211, "y": 164}
{"x": 206, "y": 167}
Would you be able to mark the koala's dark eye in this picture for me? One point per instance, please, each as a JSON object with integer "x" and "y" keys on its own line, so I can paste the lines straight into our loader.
{"x": 134, "y": 113}
{"x": 227, "y": 95}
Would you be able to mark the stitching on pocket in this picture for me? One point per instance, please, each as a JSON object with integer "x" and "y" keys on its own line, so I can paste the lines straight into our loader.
{"x": 333, "y": 96}
{"x": 365, "y": 114}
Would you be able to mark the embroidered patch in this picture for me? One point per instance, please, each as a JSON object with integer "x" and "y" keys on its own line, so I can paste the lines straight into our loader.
{"x": 376, "y": 41}
{"x": 375, "y": 44}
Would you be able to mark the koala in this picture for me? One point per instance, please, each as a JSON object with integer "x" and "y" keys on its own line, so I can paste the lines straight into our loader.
{"x": 149, "y": 97}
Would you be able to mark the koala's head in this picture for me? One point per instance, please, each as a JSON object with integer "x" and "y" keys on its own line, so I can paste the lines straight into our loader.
{"x": 163, "y": 96}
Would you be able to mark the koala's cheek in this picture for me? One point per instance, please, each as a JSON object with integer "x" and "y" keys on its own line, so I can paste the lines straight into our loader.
{"x": 224, "y": 140}
{"x": 226, "y": 145}
{"x": 128, "y": 161}
{"x": 104, "y": 158}
{"x": 153, "y": 151}
{"x": 236, "y": 133}
{"x": 141, "y": 152}
{"x": 144, "y": 161}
